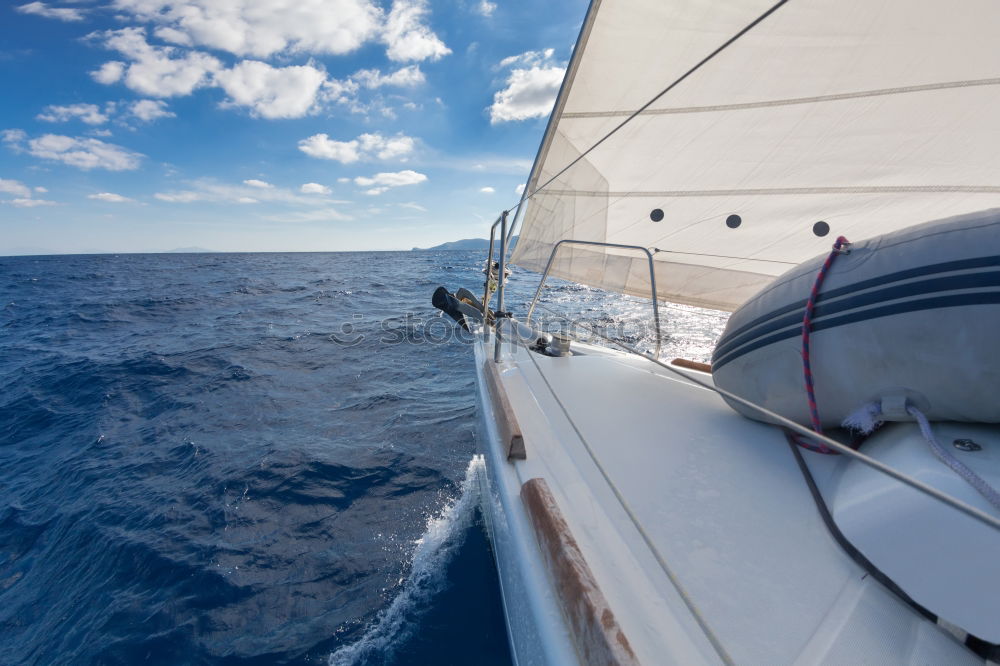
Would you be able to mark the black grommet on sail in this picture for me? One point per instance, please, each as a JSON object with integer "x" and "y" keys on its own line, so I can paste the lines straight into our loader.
{"x": 734, "y": 221}
{"x": 656, "y": 214}
{"x": 821, "y": 229}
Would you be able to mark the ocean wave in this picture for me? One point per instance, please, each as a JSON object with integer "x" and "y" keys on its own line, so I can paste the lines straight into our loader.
{"x": 433, "y": 551}
{"x": 200, "y": 467}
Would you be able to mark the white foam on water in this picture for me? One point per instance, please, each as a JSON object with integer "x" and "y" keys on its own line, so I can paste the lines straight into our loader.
{"x": 430, "y": 558}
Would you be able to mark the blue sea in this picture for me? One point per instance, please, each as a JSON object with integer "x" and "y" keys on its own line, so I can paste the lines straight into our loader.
{"x": 251, "y": 458}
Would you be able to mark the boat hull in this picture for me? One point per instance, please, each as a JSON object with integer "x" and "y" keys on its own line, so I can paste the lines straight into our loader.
{"x": 535, "y": 626}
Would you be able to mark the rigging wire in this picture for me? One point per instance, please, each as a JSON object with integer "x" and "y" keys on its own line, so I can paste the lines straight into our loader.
{"x": 644, "y": 535}
{"x": 656, "y": 97}
{"x": 971, "y": 511}
{"x": 954, "y": 503}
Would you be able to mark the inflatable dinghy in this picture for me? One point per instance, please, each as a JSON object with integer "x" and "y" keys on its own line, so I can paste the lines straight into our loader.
{"x": 908, "y": 317}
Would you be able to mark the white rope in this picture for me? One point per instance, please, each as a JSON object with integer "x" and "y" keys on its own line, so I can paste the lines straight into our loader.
{"x": 944, "y": 455}
{"x": 865, "y": 418}
{"x": 869, "y": 416}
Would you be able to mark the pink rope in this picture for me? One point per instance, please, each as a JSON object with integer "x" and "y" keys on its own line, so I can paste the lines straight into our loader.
{"x": 806, "y": 367}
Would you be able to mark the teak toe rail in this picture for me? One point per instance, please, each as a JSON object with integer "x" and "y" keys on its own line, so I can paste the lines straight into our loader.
{"x": 510, "y": 432}
{"x": 597, "y": 637}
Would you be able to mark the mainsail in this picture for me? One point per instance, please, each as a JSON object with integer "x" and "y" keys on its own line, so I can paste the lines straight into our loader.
{"x": 827, "y": 118}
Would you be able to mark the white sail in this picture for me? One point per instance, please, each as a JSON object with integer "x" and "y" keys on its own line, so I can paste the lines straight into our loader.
{"x": 867, "y": 115}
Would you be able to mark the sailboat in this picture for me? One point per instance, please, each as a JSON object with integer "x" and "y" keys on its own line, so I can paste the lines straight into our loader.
{"x": 829, "y": 171}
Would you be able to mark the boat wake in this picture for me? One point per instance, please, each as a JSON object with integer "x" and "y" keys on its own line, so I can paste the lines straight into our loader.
{"x": 434, "y": 549}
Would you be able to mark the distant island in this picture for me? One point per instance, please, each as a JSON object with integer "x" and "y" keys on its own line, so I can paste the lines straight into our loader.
{"x": 466, "y": 244}
{"x": 189, "y": 250}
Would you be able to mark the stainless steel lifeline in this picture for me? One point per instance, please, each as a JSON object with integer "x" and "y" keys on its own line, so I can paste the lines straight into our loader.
{"x": 500, "y": 281}
{"x": 652, "y": 279}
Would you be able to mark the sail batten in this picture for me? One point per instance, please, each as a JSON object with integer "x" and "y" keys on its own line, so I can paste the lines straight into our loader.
{"x": 865, "y": 115}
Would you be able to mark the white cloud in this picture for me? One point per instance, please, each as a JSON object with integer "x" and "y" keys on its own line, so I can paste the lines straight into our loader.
{"x": 179, "y": 197}
{"x": 167, "y": 71}
{"x": 15, "y": 187}
{"x": 85, "y": 153}
{"x": 213, "y": 191}
{"x": 528, "y": 59}
{"x": 406, "y": 77}
{"x": 406, "y": 35}
{"x": 60, "y": 13}
{"x": 145, "y": 110}
{"x": 334, "y": 90}
{"x": 366, "y": 146}
{"x": 110, "y": 72}
{"x": 318, "y": 215}
{"x": 381, "y": 182}
{"x": 41, "y": 189}
{"x": 148, "y": 110}
{"x": 486, "y": 8}
{"x": 29, "y": 203}
{"x": 519, "y": 190}
{"x": 154, "y": 70}
{"x": 314, "y": 188}
{"x": 492, "y": 164}
{"x": 530, "y": 92}
{"x": 22, "y": 194}
{"x": 387, "y": 148}
{"x": 487, "y": 190}
{"x": 414, "y": 206}
{"x": 272, "y": 92}
{"x": 88, "y": 113}
{"x": 109, "y": 197}
{"x": 13, "y": 136}
{"x": 260, "y": 28}
{"x": 174, "y": 36}
{"x": 323, "y": 147}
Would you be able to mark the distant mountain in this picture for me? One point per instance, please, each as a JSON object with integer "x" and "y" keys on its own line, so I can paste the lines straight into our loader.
{"x": 466, "y": 244}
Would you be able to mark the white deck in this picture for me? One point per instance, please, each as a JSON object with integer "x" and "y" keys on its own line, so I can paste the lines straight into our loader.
{"x": 699, "y": 530}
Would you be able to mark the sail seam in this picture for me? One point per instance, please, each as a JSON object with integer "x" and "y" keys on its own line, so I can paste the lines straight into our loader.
{"x": 660, "y": 94}
{"x": 762, "y": 191}
{"x": 974, "y": 83}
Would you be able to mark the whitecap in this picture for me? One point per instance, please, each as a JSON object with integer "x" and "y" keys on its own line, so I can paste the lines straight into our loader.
{"x": 434, "y": 549}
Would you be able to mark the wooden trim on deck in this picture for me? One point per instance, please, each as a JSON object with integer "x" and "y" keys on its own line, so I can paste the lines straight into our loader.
{"x": 692, "y": 365}
{"x": 510, "y": 431}
{"x": 596, "y": 634}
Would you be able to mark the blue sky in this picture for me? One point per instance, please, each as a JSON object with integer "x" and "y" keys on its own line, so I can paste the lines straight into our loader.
{"x": 270, "y": 125}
